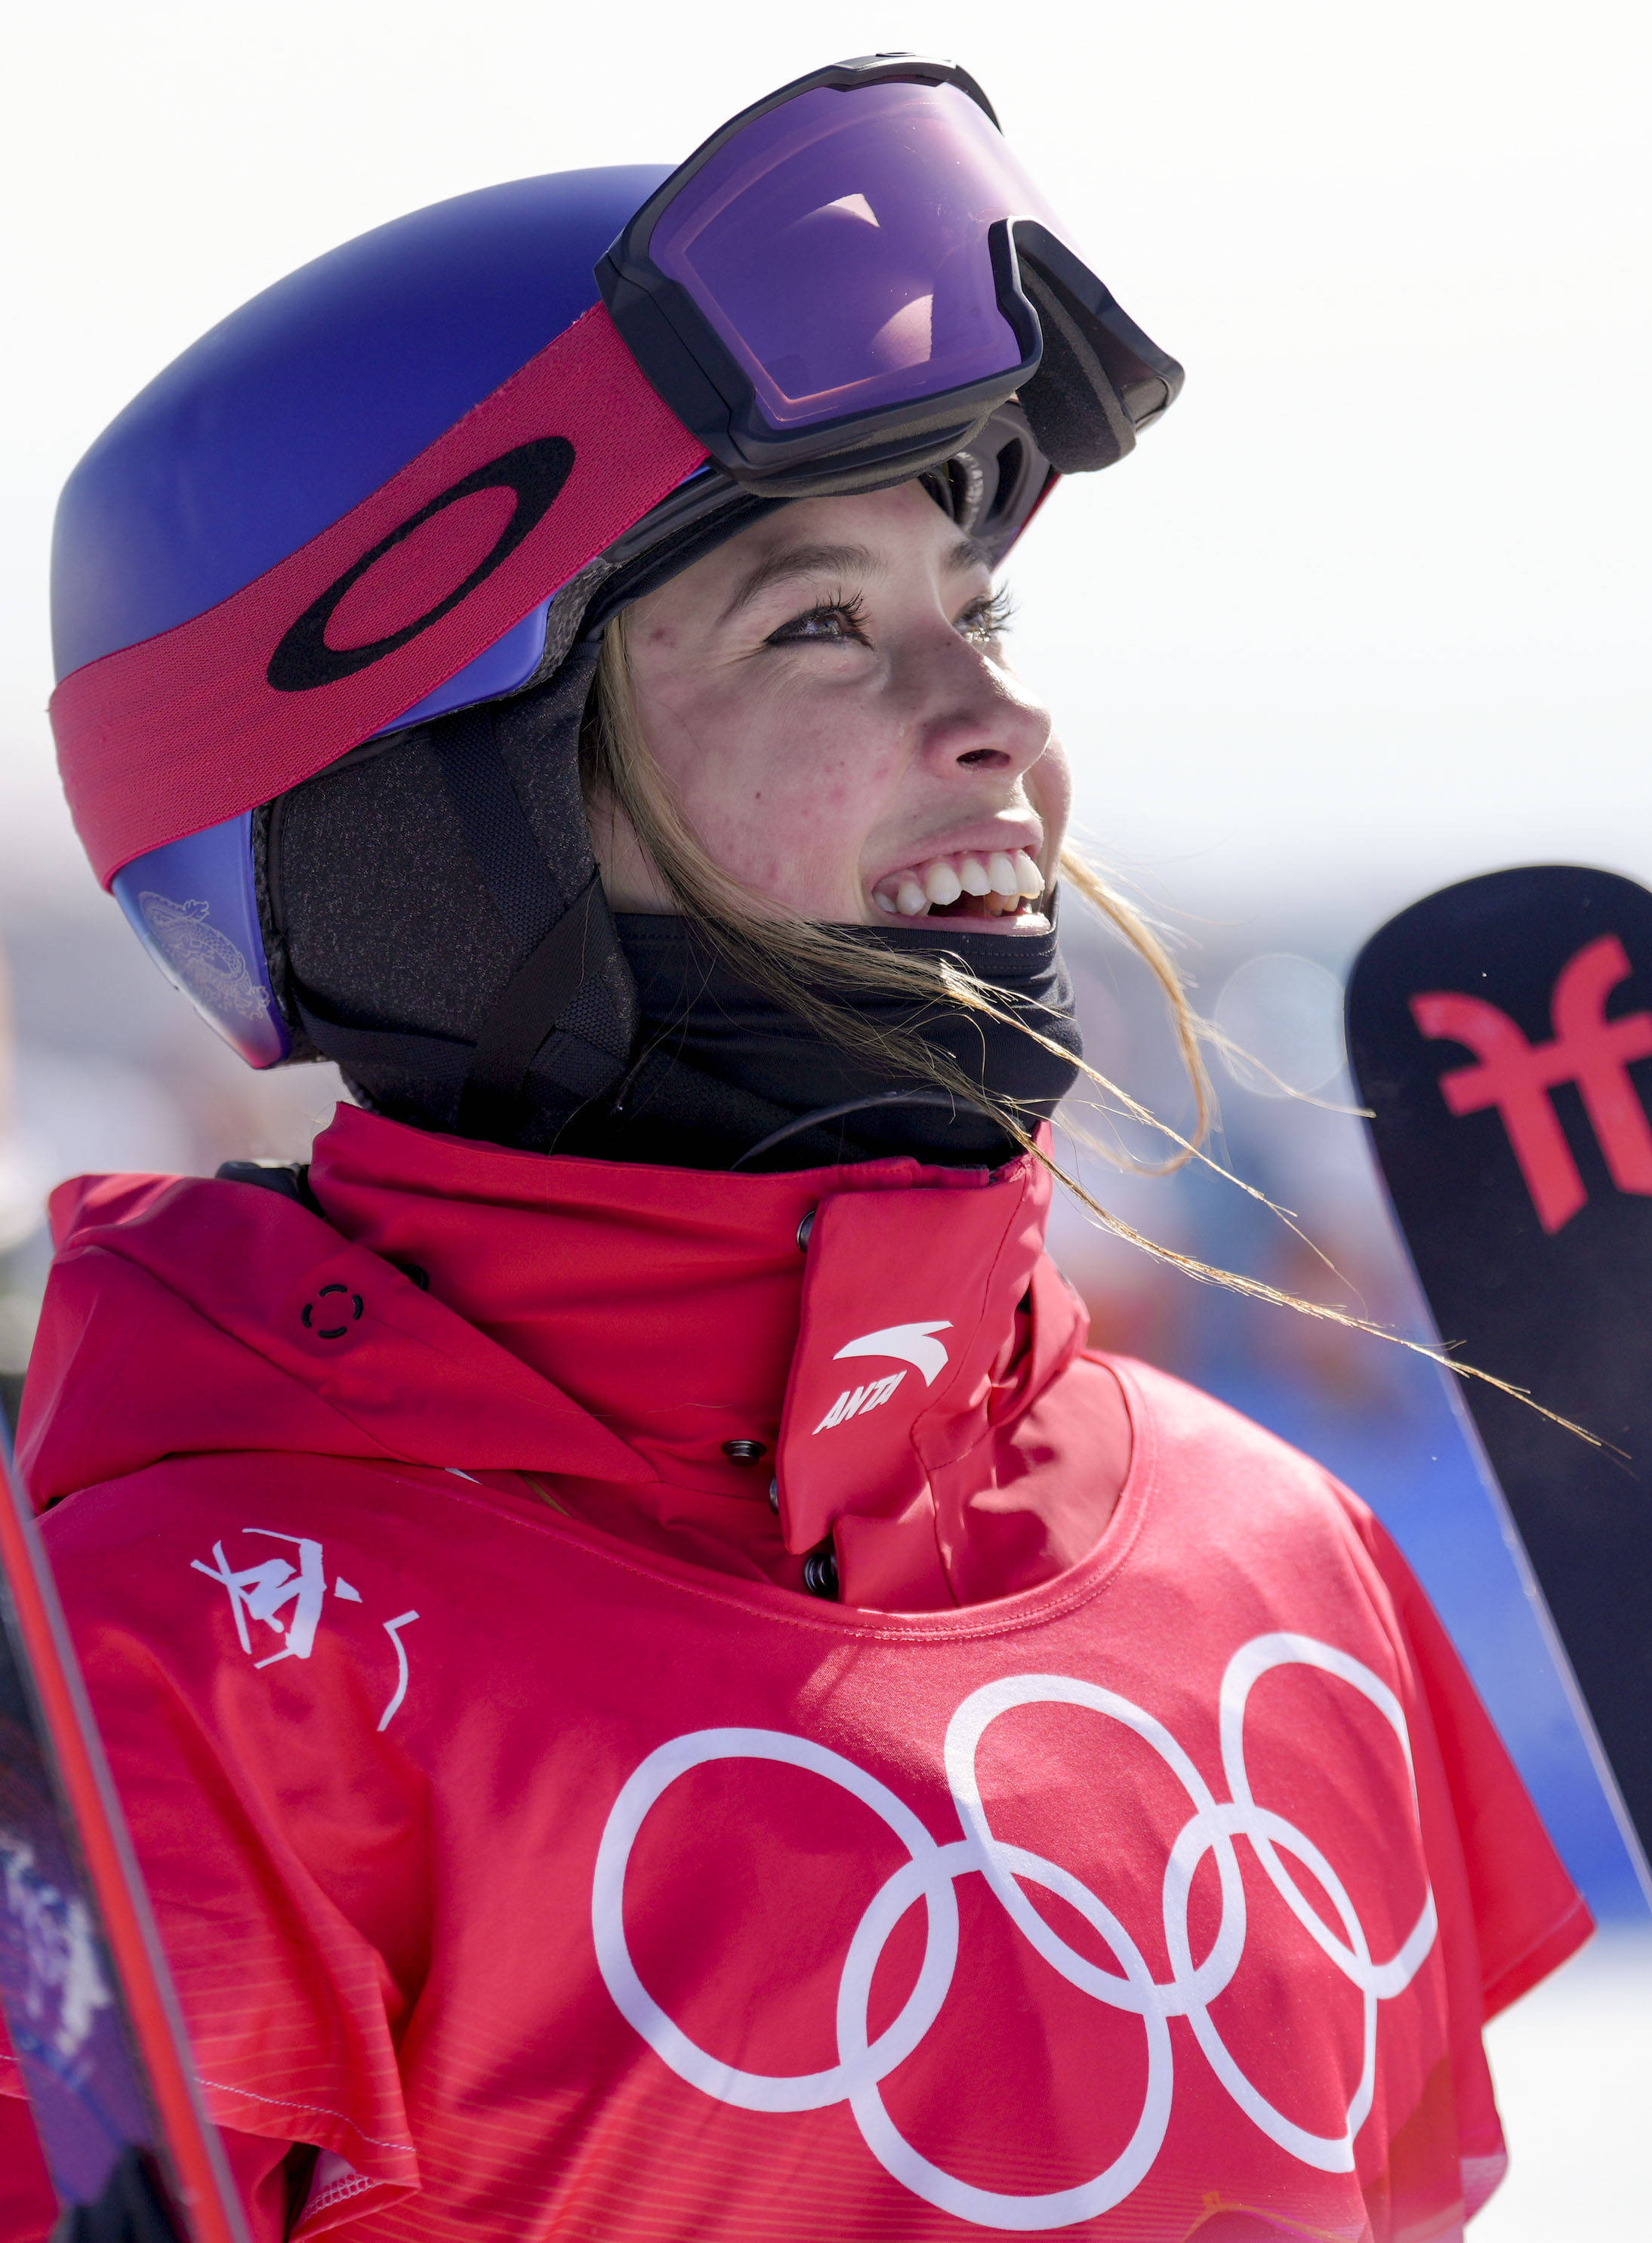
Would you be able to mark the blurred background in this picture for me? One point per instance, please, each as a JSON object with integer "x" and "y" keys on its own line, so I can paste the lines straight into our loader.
{"x": 1367, "y": 614}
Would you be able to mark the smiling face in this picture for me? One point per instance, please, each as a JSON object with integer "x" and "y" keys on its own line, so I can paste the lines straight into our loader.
{"x": 826, "y": 696}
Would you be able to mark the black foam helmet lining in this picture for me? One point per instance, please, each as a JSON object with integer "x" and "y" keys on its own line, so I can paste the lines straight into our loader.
{"x": 436, "y": 925}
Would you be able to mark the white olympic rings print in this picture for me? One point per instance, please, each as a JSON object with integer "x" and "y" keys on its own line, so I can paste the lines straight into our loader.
{"x": 930, "y": 1874}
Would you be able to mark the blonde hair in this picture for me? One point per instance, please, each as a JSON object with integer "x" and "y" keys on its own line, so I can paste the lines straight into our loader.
{"x": 801, "y": 962}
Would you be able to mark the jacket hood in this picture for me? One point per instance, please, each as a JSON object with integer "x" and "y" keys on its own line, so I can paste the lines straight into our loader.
{"x": 882, "y": 1337}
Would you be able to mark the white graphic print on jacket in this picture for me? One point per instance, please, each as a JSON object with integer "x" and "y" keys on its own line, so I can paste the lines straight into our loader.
{"x": 262, "y": 1593}
{"x": 929, "y": 1874}
{"x": 913, "y": 1344}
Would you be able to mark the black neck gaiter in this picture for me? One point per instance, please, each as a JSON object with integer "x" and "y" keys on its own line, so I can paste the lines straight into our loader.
{"x": 721, "y": 1066}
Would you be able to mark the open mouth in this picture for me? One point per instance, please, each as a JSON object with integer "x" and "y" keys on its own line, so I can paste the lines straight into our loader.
{"x": 1000, "y": 886}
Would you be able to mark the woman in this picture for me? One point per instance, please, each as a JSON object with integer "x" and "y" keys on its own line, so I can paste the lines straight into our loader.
{"x": 658, "y": 1690}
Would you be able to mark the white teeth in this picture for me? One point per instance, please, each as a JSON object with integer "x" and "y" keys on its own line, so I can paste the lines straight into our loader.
{"x": 1000, "y": 878}
{"x": 1027, "y": 873}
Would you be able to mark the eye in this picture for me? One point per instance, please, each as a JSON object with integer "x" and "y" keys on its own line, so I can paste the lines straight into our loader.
{"x": 834, "y": 622}
{"x": 986, "y": 620}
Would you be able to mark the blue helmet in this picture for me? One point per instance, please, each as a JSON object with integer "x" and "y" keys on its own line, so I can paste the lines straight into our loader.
{"x": 416, "y": 476}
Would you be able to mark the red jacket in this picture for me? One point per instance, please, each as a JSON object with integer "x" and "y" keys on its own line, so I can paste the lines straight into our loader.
{"x": 522, "y": 1837}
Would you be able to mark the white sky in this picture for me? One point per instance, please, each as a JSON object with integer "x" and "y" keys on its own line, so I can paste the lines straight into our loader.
{"x": 1366, "y": 611}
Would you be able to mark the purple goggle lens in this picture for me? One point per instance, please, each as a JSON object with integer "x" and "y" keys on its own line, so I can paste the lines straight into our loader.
{"x": 850, "y": 277}
{"x": 839, "y": 246}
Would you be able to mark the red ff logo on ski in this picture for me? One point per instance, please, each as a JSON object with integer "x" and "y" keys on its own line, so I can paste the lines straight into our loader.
{"x": 1516, "y": 1077}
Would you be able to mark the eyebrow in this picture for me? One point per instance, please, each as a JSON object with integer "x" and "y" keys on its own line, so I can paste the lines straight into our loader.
{"x": 837, "y": 560}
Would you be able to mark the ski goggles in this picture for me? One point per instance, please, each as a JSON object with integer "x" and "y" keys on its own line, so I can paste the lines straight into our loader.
{"x": 836, "y": 288}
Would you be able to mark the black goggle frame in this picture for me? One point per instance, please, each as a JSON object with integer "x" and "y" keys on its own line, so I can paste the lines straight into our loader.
{"x": 1088, "y": 378}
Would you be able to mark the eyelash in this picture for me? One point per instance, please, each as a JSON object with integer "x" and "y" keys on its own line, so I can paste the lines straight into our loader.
{"x": 987, "y": 619}
{"x": 984, "y": 621}
{"x": 849, "y": 610}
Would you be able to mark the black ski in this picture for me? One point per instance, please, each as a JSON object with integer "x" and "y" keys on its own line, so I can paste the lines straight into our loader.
{"x": 88, "y": 2006}
{"x": 1500, "y": 1033}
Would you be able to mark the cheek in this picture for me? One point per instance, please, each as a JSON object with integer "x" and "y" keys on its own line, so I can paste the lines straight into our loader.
{"x": 782, "y": 790}
{"x": 789, "y": 824}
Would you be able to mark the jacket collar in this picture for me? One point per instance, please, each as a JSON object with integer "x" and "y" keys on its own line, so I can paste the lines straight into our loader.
{"x": 889, "y": 1334}
{"x": 865, "y": 1325}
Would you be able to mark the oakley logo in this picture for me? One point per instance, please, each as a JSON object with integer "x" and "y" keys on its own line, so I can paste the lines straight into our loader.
{"x": 532, "y": 475}
{"x": 913, "y": 1344}
{"x": 1517, "y": 1077}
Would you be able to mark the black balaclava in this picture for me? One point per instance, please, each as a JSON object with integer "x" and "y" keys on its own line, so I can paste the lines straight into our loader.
{"x": 433, "y": 922}
{"x": 722, "y": 1067}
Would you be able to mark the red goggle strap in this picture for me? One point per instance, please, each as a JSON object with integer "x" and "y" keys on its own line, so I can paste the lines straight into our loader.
{"x": 229, "y": 709}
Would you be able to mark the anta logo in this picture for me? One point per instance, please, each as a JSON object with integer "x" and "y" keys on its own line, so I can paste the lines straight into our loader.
{"x": 913, "y": 1344}
{"x": 424, "y": 568}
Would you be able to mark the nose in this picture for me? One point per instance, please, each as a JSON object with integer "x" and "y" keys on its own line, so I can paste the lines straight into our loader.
{"x": 974, "y": 717}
